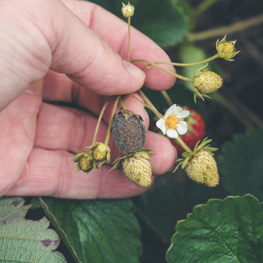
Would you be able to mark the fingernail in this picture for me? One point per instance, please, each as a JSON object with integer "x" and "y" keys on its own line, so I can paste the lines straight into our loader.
{"x": 137, "y": 73}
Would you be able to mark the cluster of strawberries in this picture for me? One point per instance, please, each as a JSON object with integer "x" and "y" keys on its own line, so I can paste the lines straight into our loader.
{"x": 129, "y": 132}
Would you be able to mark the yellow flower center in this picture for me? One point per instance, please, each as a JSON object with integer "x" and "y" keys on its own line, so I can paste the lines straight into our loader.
{"x": 228, "y": 47}
{"x": 171, "y": 122}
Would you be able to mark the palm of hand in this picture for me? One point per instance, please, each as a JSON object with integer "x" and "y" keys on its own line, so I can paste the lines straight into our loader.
{"x": 38, "y": 139}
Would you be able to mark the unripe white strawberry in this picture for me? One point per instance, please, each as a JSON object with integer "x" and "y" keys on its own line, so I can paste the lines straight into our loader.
{"x": 136, "y": 167}
{"x": 202, "y": 168}
{"x": 207, "y": 82}
{"x": 138, "y": 170}
{"x": 200, "y": 164}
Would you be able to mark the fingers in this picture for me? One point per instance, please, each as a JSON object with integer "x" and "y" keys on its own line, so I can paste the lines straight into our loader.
{"x": 59, "y": 40}
{"x": 72, "y": 130}
{"x": 52, "y": 173}
{"x": 115, "y": 32}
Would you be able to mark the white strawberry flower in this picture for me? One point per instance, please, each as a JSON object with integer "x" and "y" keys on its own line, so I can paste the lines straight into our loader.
{"x": 173, "y": 123}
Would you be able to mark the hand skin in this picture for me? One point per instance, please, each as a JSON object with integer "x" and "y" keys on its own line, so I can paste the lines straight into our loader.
{"x": 50, "y": 52}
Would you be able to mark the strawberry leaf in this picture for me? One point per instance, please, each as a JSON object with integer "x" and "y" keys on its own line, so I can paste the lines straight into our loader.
{"x": 25, "y": 240}
{"x": 97, "y": 230}
{"x": 229, "y": 230}
{"x": 241, "y": 164}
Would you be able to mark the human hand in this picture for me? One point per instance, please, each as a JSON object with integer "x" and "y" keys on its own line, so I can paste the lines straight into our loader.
{"x": 50, "y": 52}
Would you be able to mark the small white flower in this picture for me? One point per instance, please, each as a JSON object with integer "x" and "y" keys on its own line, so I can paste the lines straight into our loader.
{"x": 173, "y": 123}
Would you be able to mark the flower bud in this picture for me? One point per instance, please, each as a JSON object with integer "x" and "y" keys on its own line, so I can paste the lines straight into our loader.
{"x": 85, "y": 164}
{"x": 85, "y": 161}
{"x": 226, "y": 50}
{"x": 100, "y": 152}
{"x": 127, "y": 10}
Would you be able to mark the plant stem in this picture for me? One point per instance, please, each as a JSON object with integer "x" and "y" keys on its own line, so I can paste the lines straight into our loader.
{"x": 167, "y": 97}
{"x": 189, "y": 64}
{"x": 111, "y": 119}
{"x": 221, "y": 31}
{"x": 180, "y": 141}
{"x": 99, "y": 120}
{"x": 204, "y": 6}
{"x": 235, "y": 111}
{"x": 159, "y": 115}
{"x": 129, "y": 38}
{"x": 123, "y": 102}
{"x": 163, "y": 69}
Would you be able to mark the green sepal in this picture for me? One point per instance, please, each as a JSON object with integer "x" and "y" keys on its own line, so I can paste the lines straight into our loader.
{"x": 176, "y": 167}
{"x": 117, "y": 162}
{"x": 184, "y": 163}
{"x": 210, "y": 149}
{"x": 76, "y": 158}
{"x": 185, "y": 154}
{"x": 77, "y": 168}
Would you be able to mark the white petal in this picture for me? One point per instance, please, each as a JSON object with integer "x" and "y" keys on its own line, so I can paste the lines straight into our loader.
{"x": 177, "y": 111}
{"x": 183, "y": 114}
{"x": 182, "y": 127}
{"x": 172, "y": 133}
{"x": 161, "y": 125}
{"x": 170, "y": 111}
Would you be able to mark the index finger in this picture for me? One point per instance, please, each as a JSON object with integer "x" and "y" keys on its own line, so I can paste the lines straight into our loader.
{"x": 115, "y": 32}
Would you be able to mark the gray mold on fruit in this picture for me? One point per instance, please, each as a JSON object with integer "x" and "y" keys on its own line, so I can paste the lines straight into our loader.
{"x": 128, "y": 132}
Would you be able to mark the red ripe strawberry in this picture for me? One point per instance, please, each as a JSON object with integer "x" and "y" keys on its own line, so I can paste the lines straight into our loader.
{"x": 195, "y": 133}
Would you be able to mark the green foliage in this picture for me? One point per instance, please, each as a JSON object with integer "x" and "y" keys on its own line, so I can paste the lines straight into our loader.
{"x": 25, "y": 240}
{"x": 241, "y": 164}
{"x": 163, "y": 21}
{"x": 97, "y": 230}
{"x": 228, "y": 230}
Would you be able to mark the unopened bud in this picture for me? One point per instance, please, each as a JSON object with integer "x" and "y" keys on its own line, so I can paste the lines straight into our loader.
{"x": 86, "y": 164}
{"x": 226, "y": 50}
{"x": 127, "y": 10}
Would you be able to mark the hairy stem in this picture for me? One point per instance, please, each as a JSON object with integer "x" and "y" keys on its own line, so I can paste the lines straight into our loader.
{"x": 233, "y": 109}
{"x": 180, "y": 141}
{"x": 221, "y": 31}
{"x": 129, "y": 38}
{"x": 163, "y": 69}
{"x": 111, "y": 119}
{"x": 99, "y": 120}
{"x": 203, "y": 6}
{"x": 189, "y": 64}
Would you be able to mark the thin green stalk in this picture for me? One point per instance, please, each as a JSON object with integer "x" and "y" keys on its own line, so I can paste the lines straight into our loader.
{"x": 158, "y": 114}
{"x": 129, "y": 38}
{"x": 221, "y": 31}
{"x": 180, "y": 141}
{"x": 203, "y": 6}
{"x": 163, "y": 69}
{"x": 99, "y": 120}
{"x": 111, "y": 119}
{"x": 167, "y": 97}
{"x": 189, "y": 64}
{"x": 235, "y": 111}
{"x": 150, "y": 104}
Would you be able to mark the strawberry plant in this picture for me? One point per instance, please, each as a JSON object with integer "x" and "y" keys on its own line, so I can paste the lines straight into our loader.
{"x": 208, "y": 207}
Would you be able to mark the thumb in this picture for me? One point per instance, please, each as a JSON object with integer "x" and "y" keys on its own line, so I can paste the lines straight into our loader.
{"x": 45, "y": 35}
{"x": 88, "y": 60}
